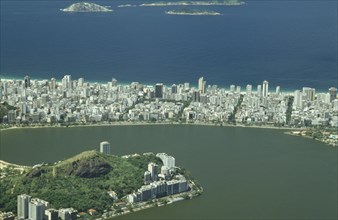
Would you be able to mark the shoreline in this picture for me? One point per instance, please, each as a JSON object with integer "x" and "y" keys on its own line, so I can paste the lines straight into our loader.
{"x": 148, "y": 123}
{"x": 286, "y": 90}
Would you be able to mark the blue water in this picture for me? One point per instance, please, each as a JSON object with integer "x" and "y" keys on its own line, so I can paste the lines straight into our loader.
{"x": 288, "y": 43}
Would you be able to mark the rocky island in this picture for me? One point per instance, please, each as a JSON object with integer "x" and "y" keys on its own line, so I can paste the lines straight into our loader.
{"x": 195, "y": 3}
{"x": 94, "y": 184}
{"x": 192, "y": 12}
{"x": 86, "y": 7}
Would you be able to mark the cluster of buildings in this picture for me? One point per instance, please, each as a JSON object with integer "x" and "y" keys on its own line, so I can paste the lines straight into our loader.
{"x": 159, "y": 184}
{"x": 38, "y": 209}
{"x": 77, "y": 101}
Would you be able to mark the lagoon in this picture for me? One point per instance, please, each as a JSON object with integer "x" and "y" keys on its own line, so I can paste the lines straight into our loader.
{"x": 246, "y": 173}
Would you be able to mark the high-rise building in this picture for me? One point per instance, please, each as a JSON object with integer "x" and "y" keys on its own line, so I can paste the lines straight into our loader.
{"x": 105, "y": 147}
{"x": 36, "y": 210}
{"x": 174, "y": 89}
{"x": 265, "y": 88}
{"x": 169, "y": 162}
{"x": 159, "y": 90}
{"x": 201, "y": 85}
{"x": 52, "y": 83}
{"x": 114, "y": 82}
{"x": 186, "y": 86}
{"x": 23, "y": 201}
{"x": 333, "y": 93}
{"x": 153, "y": 169}
{"x": 67, "y": 214}
{"x": 232, "y": 88}
{"x": 298, "y": 99}
{"x": 27, "y": 81}
{"x": 196, "y": 96}
{"x": 248, "y": 89}
{"x": 147, "y": 177}
{"x": 238, "y": 89}
{"x": 309, "y": 93}
{"x": 52, "y": 214}
{"x": 259, "y": 90}
{"x": 335, "y": 104}
{"x": 277, "y": 90}
{"x": 80, "y": 82}
{"x": 67, "y": 82}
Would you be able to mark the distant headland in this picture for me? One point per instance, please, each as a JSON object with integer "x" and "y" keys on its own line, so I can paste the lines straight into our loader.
{"x": 86, "y": 7}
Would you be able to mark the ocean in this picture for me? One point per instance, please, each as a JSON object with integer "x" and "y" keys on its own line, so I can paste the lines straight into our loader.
{"x": 289, "y": 43}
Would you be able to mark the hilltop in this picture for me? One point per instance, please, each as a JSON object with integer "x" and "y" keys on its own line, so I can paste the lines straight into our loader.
{"x": 81, "y": 182}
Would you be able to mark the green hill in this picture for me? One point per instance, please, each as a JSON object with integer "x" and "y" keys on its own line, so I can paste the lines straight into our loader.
{"x": 80, "y": 182}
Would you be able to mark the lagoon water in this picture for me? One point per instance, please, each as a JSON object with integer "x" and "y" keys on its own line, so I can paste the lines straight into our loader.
{"x": 247, "y": 173}
{"x": 289, "y": 43}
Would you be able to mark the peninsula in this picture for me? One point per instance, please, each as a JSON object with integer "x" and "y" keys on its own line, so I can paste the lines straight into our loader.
{"x": 192, "y": 12}
{"x": 86, "y": 7}
{"x": 96, "y": 184}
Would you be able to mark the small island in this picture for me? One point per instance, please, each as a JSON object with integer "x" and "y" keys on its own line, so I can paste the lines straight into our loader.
{"x": 194, "y": 3}
{"x": 192, "y": 12}
{"x": 86, "y": 7}
{"x": 96, "y": 184}
{"x": 126, "y": 6}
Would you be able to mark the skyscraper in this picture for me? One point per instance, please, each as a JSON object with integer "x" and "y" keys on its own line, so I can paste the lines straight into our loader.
{"x": 23, "y": 201}
{"x": 159, "y": 90}
{"x": 265, "y": 88}
{"x": 153, "y": 169}
{"x": 333, "y": 93}
{"x": 201, "y": 85}
{"x": 105, "y": 147}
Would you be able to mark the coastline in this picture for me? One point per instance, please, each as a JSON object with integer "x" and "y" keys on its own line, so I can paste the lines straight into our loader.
{"x": 285, "y": 130}
{"x": 147, "y": 123}
{"x": 8, "y": 77}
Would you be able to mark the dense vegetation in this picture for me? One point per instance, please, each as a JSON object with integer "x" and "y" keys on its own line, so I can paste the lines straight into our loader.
{"x": 232, "y": 117}
{"x": 55, "y": 184}
{"x": 4, "y": 108}
{"x": 289, "y": 110}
